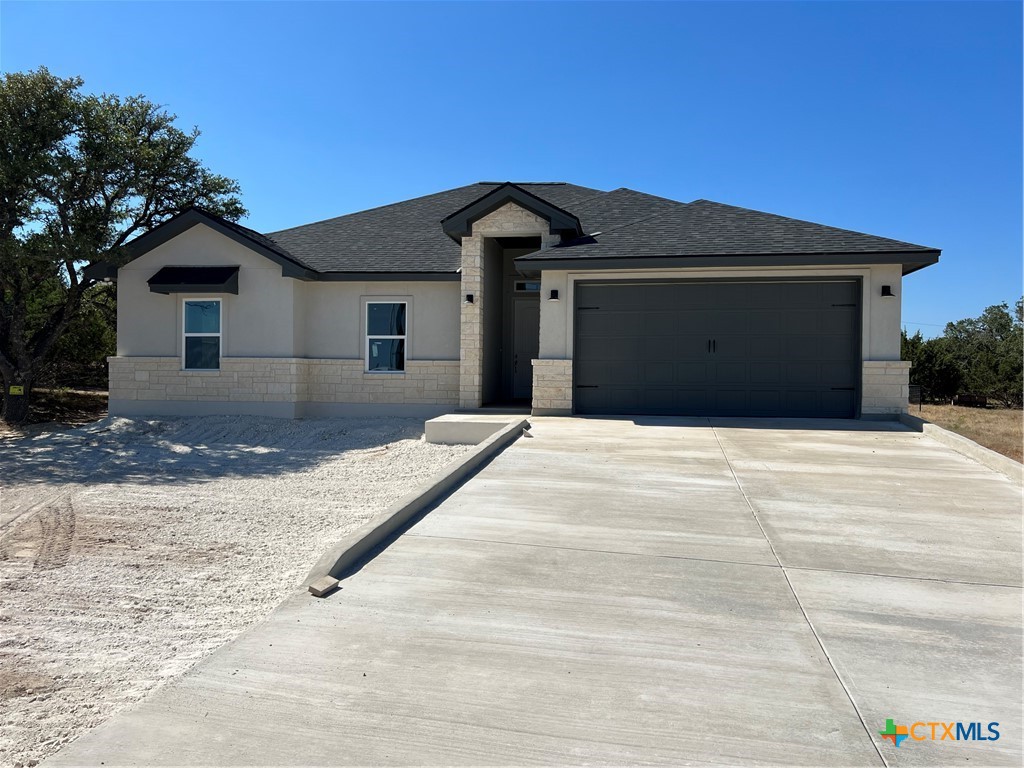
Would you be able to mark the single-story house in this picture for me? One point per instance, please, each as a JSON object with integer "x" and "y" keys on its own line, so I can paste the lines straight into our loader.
{"x": 568, "y": 299}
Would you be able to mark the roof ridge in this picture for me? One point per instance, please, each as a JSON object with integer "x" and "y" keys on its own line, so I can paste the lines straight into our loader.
{"x": 369, "y": 210}
{"x": 594, "y": 198}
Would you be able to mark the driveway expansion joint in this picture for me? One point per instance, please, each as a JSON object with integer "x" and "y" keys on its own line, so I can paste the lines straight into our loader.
{"x": 796, "y": 597}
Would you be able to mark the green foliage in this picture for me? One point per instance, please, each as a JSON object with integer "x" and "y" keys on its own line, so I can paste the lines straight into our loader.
{"x": 982, "y": 355}
{"x": 80, "y": 176}
{"x": 79, "y": 357}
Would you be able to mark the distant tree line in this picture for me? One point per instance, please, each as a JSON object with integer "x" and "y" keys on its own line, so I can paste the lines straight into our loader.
{"x": 980, "y": 355}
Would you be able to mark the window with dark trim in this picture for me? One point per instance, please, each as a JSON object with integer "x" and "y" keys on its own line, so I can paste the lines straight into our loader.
{"x": 201, "y": 346}
{"x": 385, "y": 336}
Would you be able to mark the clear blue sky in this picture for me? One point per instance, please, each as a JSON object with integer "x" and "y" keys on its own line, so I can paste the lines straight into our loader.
{"x": 898, "y": 119}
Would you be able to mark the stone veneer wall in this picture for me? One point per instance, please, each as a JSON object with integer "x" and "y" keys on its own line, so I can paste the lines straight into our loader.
{"x": 284, "y": 380}
{"x": 885, "y": 387}
{"x": 552, "y": 387}
{"x": 509, "y": 220}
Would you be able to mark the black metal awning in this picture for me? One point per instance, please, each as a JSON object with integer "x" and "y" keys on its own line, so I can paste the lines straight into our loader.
{"x": 195, "y": 280}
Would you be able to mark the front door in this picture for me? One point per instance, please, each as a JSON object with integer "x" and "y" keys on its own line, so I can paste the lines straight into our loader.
{"x": 525, "y": 345}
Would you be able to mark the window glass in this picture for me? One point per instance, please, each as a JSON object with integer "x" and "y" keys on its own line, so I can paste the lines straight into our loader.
{"x": 202, "y": 352}
{"x": 202, "y": 317}
{"x": 386, "y": 355}
{"x": 385, "y": 319}
{"x": 385, "y": 336}
{"x": 202, "y": 335}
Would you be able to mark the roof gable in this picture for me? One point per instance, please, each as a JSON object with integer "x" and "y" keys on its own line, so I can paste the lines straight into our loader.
{"x": 250, "y": 238}
{"x": 460, "y": 223}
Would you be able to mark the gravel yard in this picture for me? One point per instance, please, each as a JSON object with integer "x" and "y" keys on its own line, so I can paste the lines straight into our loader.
{"x": 130, "y": 549}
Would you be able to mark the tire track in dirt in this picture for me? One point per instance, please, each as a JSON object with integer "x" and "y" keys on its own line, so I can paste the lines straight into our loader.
{"x": 58, "y": 535}
{"x": 31, "y": 512}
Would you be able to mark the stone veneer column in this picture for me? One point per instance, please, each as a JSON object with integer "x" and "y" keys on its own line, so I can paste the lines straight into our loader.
{"x": 885, "y": 387}
{"x": 509, "y": 220}
{"x": 472, "y": 327}
{"x": 552, "y": 387}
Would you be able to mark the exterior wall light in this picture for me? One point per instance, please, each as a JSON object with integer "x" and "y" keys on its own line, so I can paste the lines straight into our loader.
{"x": 469, "y": 299}
{"x": 553, "y": 296}
{"x": 887, "y": 290}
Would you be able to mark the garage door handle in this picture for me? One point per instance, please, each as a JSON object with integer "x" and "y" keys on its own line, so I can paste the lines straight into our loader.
{"x": 842, "y": 389}
{"x": 714, "y": 345}
{"x": 586, "y": 386}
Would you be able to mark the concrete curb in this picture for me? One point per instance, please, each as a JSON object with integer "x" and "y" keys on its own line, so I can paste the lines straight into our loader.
{"x": 1002, "y": 464}
{"x": 354, "y": 547}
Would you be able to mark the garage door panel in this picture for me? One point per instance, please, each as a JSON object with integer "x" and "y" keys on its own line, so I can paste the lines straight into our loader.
{"x": 837, "y": 374}
{"x": 801, "y": 348}
{"x": 836, "y": 322}
{"x": 840, "y": 293}
{"x": 664, "y": 323}
{"x": 838, "y": 402}
{"x": 765, "y": 373}
{"x": 765, "y": 402}
{"x": 731, "y": 347}
{"x": 692, "y": 401}
{"x": 762, "y": 348}
{"x": 730, "y": 401}
{"x": 693, "y": 373}
{"x": 764, "y": 321}
{"x": 659, "y": 373}
{"x": 605, "y": 324}
{"x": 659, "y": 399}
{"x": 689, "y": 347}
{"x": 801, "y": 374}
{"x": 731, "y": 373}
{"x": 620, "y": 373}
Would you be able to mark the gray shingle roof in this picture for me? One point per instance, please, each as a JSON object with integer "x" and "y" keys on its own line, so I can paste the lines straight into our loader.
{"x": 706, "y": 228}
{"x": 401, "y": 237}
{"x": 407, "y": 237}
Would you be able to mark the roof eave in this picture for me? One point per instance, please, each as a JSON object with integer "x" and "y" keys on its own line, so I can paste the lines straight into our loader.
{"x": 911, "y": 262}
{"x": 369, "y": 277}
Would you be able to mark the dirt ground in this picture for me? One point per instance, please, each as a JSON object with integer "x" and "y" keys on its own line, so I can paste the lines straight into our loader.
{"x": 1000, "y": 429}
{"x": 130, "y": 549}
{"x": 60, "y": 407}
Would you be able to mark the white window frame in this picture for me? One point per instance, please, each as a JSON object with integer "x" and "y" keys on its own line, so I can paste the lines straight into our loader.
{"x": 220, "y": 335}
{"x": 367, "y": 336}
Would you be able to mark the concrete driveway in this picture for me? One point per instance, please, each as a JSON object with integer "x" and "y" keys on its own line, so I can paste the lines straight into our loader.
{"x": 640, "y": 591}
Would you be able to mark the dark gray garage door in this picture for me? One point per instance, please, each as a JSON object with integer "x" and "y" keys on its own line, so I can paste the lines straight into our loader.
{"x": 717, "y": 349}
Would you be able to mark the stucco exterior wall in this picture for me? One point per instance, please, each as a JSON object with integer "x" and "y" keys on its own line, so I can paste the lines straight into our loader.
{"x": 288, "y": 347}
{"x": 260, "y": 320}
{"x": 334, "y": 317}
